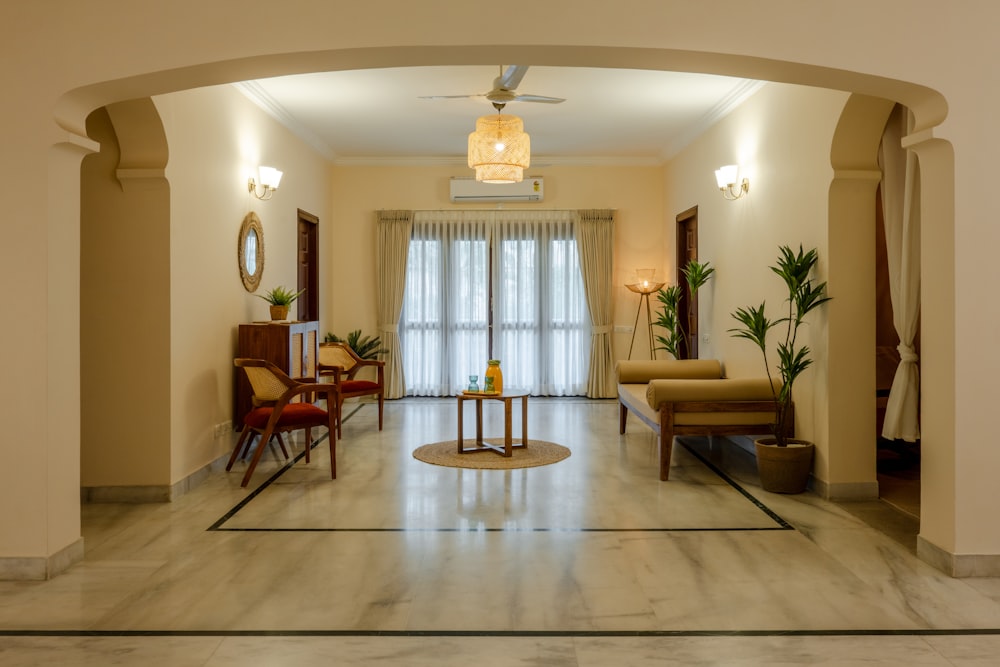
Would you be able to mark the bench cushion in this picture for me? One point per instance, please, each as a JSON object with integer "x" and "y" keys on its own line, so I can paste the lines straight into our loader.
{"x": 641, "y": 372}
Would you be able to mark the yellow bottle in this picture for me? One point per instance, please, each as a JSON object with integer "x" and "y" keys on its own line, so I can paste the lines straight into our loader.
{"x": 493, "y": 371}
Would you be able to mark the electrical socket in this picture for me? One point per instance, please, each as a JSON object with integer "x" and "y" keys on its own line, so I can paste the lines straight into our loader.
{"x": 222, "y": 429}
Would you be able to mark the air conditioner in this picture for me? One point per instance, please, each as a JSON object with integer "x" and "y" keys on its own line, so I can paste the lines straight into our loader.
{"x": 532, "y": 188}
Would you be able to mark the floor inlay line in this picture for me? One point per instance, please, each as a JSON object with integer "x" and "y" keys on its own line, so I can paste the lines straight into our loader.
{"x": 915, "y": 632}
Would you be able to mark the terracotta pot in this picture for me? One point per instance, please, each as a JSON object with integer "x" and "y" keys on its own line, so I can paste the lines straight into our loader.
{"x": 279, "y": 312}
{"x": 784, "y": 469}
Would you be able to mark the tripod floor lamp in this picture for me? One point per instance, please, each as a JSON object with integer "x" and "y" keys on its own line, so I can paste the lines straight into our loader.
{"x": 644, "y": 287}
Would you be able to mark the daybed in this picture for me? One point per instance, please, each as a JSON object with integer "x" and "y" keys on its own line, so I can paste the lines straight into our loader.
{"x": 691, "y": 397}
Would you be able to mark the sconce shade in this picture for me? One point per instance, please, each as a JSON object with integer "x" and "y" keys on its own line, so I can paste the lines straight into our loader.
{"x": 726, "y": 175}
{"x": 499, "y": 149}
{"x": 726, "y": 178}
{"x": 269, "y": 177}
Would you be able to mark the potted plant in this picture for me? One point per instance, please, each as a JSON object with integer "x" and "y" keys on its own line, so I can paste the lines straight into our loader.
{"x": 783, "y": 462}
{"x": 365, "y": 347}
{"x": 280, "y": 299}
{"x": 675, "y": 340}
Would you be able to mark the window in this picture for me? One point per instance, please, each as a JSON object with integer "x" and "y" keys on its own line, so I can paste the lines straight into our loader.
{"x": 526, "y": 265}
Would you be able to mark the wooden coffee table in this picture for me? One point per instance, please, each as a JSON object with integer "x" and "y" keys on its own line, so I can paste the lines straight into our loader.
{"x": 506, "y": 398}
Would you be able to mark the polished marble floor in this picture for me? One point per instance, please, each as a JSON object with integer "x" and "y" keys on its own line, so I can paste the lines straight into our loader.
{"x": 589, "y": 561}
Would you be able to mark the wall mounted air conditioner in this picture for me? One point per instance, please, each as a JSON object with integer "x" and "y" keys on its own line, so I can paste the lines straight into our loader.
{"x": 469, "y": 190}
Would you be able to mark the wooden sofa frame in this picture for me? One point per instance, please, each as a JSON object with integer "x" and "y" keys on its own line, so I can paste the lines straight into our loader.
{"x": 666, "y": 429}
{"x": 662, "y": 419}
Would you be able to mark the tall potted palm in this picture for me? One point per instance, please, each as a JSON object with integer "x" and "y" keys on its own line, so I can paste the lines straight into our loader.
{"x": 783, "y": 462}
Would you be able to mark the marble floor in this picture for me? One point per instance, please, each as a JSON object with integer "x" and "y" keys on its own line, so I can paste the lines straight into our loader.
{"x": 589, "y": 561}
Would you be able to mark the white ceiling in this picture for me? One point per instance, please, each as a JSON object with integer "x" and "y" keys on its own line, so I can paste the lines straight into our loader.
{"x": 609, "y": 116}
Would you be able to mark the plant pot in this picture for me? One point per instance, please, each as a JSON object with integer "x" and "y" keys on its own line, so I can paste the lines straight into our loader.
{"x": 279, "y": 312}
{"x": 784, "y": 469}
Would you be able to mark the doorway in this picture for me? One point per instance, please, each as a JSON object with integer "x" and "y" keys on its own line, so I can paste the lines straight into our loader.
{"x": 307, "y": 262}
{"x": 687, "y": 310}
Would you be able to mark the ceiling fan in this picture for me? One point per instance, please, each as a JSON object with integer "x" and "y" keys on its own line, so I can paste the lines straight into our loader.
{"x": 504, "y": 90}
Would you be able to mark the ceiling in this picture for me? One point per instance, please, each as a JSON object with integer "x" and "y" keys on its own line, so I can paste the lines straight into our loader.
{"x": 609, "y": 116}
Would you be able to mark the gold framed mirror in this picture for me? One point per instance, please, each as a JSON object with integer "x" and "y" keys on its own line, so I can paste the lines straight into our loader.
{"x": 250, "y": 251}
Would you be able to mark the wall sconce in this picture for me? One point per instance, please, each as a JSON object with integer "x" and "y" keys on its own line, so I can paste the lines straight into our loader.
{"x": 269, "y": 179}
{"x": 726, "y": 177}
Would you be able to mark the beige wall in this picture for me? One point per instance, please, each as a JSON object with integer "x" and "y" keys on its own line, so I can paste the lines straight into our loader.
{"x": 167, "y": 253}
{"x": 217, "y": 138}
{"x": 781, "y": 139}
{"x": 635, "y": 192}
{"x": 125, "y": 306}
{"x": 935, "y": 63}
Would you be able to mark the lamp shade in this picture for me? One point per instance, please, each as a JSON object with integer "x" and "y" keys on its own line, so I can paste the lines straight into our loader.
{"x": 499, "y": 149}
{"x": 726, "y": 175}
{"x": 269, "y": 177}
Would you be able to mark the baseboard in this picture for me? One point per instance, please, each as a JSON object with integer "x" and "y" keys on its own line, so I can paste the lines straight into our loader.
{"x": 41, "y": 568}
{"x": 844, "y": 491}
{"x": 958, "y": 565}
{"x": 151, "y": 493}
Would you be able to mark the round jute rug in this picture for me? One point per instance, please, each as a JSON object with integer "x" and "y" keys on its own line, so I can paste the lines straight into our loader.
{"x": 537, "y": 453}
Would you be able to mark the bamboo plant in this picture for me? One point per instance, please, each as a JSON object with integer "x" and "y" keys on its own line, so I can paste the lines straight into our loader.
{"x": 674, "y": 341}
{"x": 803, "y": 297}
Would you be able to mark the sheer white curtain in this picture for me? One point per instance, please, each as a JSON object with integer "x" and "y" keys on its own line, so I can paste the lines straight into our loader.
{"x": 444, "y": 325}
{"x": 541, "y": 328}
{"x": 541, "y": 325}
{"x": 900, "y": 200}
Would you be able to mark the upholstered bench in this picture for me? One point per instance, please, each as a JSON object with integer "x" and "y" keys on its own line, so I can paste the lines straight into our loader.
{"x": 691, "y": 397}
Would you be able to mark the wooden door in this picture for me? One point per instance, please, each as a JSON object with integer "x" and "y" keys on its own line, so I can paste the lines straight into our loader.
{"x": 687, "y": 249}
{"x": 308, "y": 266}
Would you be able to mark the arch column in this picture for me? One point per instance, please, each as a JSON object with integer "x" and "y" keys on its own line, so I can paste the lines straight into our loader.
{"x": 39, "y": 483}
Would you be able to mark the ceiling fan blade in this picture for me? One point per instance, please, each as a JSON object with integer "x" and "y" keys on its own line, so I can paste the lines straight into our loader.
{"x": 449, "y": 97}
{"x": 538, "y": 98}
{"x": 511, "y": 77}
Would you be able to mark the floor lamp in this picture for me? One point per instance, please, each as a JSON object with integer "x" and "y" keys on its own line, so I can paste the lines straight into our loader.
{"x": 644, "y": 288}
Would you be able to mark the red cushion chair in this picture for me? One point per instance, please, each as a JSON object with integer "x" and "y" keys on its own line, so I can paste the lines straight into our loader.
{"x": 339, "y": 363}
{"x": 275, "y": 413}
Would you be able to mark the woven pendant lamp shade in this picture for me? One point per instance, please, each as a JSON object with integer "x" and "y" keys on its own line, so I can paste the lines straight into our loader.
{"x": 499, "y": 149}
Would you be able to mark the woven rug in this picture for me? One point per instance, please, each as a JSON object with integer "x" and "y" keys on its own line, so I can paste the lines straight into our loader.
{"x": 537, "y": 453}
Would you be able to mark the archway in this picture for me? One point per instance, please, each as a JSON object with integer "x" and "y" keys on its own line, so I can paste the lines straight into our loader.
{"x": 851, "y": 182}
{"x": 125, "y": 311}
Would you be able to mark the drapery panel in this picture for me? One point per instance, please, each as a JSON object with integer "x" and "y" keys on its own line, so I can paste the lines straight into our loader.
{"x": 901, "y": 197}
{"x": 540, "y": 326}
{"x": 595, "y": 235}
{"x": 392, "y": 229}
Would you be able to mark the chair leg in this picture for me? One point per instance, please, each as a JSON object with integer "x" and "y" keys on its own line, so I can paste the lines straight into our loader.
{"x": 309, "y": 441}
{"x": 281, "y": 443}
{"x": 244, "y": 436}
{"x": 340, "y": 413}
{"x": 264, "y": 438}
{"x": 381, "y": 399}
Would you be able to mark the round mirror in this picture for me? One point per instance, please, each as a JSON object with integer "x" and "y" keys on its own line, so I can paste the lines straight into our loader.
{"x": 250, "y": 251}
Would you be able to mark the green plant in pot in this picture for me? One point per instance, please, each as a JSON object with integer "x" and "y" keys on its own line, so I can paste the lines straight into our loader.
{"x": 280, "y": 299}
{"x": 675, "y": 338}
{"x": 366, "y": 347}
{"x": 783, "y": 462}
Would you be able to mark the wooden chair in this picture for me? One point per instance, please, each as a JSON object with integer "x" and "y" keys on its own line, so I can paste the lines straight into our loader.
{"x": 339, "y": 362}
{"x": 274, "y": 412}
